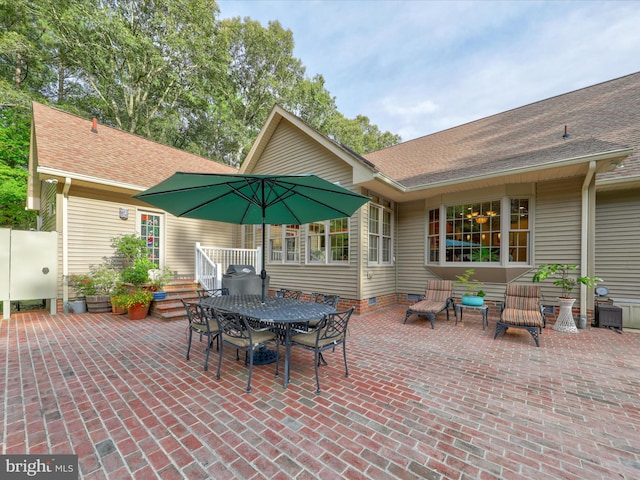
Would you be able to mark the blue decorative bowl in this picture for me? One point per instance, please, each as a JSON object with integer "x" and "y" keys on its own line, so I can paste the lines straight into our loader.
{"x": 159, "y": 295}
{"x": 472, "y": 301}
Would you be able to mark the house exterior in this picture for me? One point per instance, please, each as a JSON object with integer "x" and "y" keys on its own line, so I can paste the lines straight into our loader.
{"x": 82, "y": 178}
{"x": 555, "y": 181}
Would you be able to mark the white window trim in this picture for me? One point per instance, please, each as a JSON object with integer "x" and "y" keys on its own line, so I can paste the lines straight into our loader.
{"x": 163, "y": 231}
{"x": 379, "y": 235}
{"x": 283, "y": 253}
{"x": 505, "y": 229}
{"x": 327, "y": 248}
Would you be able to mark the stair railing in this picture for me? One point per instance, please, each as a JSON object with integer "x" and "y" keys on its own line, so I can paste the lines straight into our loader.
{"x": 212, "y": 262}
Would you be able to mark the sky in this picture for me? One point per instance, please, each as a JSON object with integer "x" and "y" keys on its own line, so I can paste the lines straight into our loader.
{"x": 419, "y": 67}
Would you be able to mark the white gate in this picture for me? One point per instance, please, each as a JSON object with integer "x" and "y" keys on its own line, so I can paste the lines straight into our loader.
{"x": 28, "y": 267}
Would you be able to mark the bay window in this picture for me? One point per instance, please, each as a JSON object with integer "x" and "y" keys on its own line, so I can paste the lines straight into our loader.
{"x": 474, "y": 232}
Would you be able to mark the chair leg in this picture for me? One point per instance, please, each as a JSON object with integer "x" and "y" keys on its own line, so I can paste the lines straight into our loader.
{"x": 315, "y": 361}
{"x": 220, "y": 359}
{"x": 250, "y": 353}
{"x": 344, "y": 354}
{"x": 432, "y": 320}
{"x": 189, "y": 342}
{"x": 500, "y": 328}
{"x": 406, "y": 317}
{"x": 206, "y": 356}
{"x": 534, "y": 333}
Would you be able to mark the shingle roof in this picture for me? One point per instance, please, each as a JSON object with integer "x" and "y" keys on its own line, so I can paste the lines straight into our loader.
{"x": 65, "y": 143}
{"x": 599, "y": 118}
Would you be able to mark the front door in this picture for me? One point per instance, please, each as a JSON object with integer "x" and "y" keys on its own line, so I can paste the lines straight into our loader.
{"x": 151, "y": 228}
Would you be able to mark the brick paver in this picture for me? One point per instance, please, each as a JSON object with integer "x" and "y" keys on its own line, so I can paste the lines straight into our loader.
{"x": 419, "y": 403}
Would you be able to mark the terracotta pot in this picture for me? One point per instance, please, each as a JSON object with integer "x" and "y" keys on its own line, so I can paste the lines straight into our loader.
{"x": 118, "y": 310}
{"x": 138, "y": 311}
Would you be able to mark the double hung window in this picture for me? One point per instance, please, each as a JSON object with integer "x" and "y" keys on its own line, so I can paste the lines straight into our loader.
{"x": 380, "y": 228}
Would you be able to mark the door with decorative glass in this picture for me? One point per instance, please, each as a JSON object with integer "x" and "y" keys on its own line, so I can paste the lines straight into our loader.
{"x": 151, "y": 228}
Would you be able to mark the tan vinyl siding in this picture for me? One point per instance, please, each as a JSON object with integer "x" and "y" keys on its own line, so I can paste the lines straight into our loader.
{"x": 377, "y": 280}
{"x": 182, "y": 235}
{"x": 292, "y": 152}
{"x": 93, "y": 222}
{"x": 617, "y": 250}
{"x": 410, "y": 260}
{"x": 557, "y": 228}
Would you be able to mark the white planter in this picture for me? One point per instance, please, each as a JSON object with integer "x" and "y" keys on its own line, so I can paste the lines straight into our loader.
{"x": 565, "y": 322}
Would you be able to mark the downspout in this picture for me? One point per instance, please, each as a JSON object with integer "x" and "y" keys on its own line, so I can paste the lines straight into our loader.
{"x": 65, "y": 240}
{"x": 584, "y": 240}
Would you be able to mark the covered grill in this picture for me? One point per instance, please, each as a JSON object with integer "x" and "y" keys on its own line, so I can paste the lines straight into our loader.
{"x": 242, "y": 280}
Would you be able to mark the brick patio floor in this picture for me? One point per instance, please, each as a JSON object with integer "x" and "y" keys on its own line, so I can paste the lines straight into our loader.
{"x": 419, "y": 403}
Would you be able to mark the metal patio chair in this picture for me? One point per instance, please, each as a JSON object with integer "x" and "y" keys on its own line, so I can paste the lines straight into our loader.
{"x": 330, "y": 332}
{"x": 286, "y": 293}
{"x": 437, "y": 298}
{"x": 215, "y": 292}
{"x": 236, "y": 332}
{"x": 203, "y": 325}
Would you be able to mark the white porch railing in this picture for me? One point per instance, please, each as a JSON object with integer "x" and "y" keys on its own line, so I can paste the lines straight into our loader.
{"x": 212, "y": 263}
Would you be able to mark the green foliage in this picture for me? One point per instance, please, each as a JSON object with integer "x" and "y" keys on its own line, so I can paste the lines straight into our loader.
{"x": 472, "y": 287}
{"x": 566, "y": 281}
{"x": 484, "y": 254}
{"x": 101, "y": 280}
{"x": 13, "y": 198}
{"x": 128, "y": 300}
{"x": 138, "y": 273}
{"x": 159, "y": 278}
{"x": 128, "y": 248}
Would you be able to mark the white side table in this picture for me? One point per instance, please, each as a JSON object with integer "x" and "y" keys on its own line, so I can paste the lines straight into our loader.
{"x": 484, "y": 309}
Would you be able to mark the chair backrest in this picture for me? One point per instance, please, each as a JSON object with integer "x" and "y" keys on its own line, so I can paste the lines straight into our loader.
{"x": 333, "y": 327}
{"x": 195, "y": 313}
{"x": 216, "y": 292}
{"x": 438, "y": 290}
{"x": 522, "y": 297}
{"x": 325, "y": 299}
{"x": 286, "y": 293}
{"x": 231, "y": 324}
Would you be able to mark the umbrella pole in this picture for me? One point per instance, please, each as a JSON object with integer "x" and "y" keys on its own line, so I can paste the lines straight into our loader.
{"x": 263, "y": 271}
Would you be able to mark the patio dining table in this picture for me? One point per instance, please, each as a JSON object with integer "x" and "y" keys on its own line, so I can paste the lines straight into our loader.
{"x": 281, "y": 312}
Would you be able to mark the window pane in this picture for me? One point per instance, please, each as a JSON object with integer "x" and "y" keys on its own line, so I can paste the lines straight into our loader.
{"x": 292, "y": 243}
{"x": 434, "y": 236}
{"x": 473, "y": 232}
{"x": 275, "y": 243}
{"x": 519, "y": 231}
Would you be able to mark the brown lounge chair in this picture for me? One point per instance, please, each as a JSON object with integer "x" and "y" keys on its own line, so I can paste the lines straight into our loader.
{"x": 437, "y": 297}
{"x": 522, "y": 308}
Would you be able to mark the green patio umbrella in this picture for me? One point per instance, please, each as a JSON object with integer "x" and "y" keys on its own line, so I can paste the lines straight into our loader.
{"x": 253, "y": 199}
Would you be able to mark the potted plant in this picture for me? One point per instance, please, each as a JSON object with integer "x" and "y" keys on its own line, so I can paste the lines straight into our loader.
{"x": 118, "y": 302}
{"x": 473, "y": 295}
{"x": 137, "y": 303}
{"x": 567, "y": 281}
{"x": 104, "y": 279}
{"x": 137, "y": 274}
{"x": 158, "y": 279}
